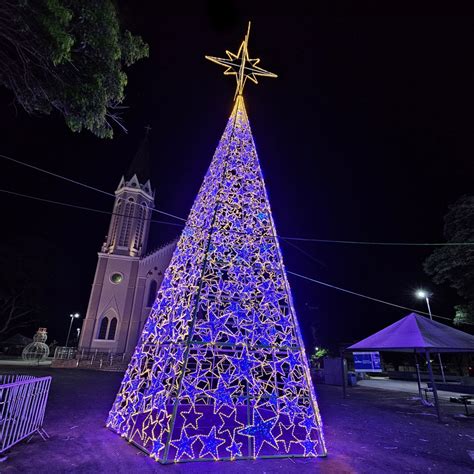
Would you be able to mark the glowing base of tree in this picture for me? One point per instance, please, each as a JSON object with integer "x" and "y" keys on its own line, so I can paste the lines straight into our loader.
{"x": 220, "y": 371}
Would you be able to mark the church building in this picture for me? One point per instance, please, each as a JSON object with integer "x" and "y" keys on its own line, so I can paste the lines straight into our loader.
{"x": 128, "y": 273}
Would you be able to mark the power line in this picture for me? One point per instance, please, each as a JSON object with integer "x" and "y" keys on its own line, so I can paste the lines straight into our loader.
{"x": 356, "y": 242}
{"x": 302, "y": 239}
{"x": 56, "y": 175}
{"x": 365, "y": 296}
{"x": 36, "y": 168}
{"x": 75, "y": 206}
{"x": 307, "y": 254}
{"x": 179, "y": 225}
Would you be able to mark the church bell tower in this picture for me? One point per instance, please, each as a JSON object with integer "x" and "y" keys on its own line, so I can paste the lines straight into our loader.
{"x": 110, "y": 314}
{"x": 130, "y": 223}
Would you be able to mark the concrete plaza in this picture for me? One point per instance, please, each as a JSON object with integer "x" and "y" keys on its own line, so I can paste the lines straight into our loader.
{"x": 372, "y": 431}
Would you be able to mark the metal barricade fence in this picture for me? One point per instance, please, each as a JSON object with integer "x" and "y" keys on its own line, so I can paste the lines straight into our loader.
{"x": 67, "y": 353}
{"x": 22, "y": 405}
{"x": 91, "y": 359}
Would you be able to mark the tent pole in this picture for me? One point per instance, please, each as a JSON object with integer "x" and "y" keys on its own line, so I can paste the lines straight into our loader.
{"x": 435, "y": 392}
{"x": 418, "y": 378}
{"x": 343, "y": 374}
{"x": 441, "y": 367}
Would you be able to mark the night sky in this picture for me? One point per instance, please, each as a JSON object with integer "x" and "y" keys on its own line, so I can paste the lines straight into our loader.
{"x": 365, "y": 135}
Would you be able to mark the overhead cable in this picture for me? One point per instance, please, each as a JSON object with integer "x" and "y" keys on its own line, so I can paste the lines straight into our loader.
{"x": 377, "y": 300}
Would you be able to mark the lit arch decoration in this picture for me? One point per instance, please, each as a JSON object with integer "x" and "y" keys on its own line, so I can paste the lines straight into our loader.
{"x": 220, "y": 371}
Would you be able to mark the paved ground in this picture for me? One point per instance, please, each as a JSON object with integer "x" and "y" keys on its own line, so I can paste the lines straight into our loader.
{"x": 373, "y": 431}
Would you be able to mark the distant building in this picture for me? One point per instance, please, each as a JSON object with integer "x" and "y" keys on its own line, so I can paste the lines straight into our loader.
{"x": 128, "y": 275}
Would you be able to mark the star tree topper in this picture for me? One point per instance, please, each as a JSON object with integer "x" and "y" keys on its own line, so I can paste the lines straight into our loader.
{"x": 241, "y": 66}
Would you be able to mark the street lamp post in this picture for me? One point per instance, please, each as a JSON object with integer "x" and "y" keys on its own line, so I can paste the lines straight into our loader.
{"x": 422, "y": 294}
{"x": 73, "y": 317}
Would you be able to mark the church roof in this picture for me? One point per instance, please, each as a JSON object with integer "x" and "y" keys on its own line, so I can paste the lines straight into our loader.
{"x": 141, "y": 164}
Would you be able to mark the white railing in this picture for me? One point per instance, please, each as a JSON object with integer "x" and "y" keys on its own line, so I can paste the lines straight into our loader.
{"x": 93, "y": 359}
{"x": 65, "y": 353}
{"x": 101, "y": 359}
{"x": 22, "y": 404}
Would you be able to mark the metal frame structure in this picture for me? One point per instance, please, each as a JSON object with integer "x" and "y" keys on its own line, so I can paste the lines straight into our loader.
{"x": 23, "y": 401}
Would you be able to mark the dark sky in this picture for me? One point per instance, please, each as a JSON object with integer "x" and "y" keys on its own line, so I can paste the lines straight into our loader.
{"x": 365, "y": 135}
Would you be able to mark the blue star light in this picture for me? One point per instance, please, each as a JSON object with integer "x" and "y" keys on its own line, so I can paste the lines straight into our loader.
{"x": 211, "y": 444}
{"x": 310, "y": 446}
{"x": 184, "y": 445}
{"x": 222, "y": 395}
{"x": 243, "y": 365}
{"x": 157, "y": 446}
{"x": 291, "y": 407}
{"x": 261, "y": 432}
{"x": 309, "y": 421}
{"x": 235, "y": 449}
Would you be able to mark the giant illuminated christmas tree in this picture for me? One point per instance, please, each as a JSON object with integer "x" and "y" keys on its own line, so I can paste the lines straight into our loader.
{"x": 220, "y": 371}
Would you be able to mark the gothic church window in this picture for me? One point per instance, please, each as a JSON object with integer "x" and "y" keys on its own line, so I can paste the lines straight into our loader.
{"x": 141, "y": 216}
{"x": 126, "y": 223}
{"x": 116, "y": 220}
{"x": 152, "y": 293}
{"x": 112, "y": 329}
{"x": 104, "y": 324}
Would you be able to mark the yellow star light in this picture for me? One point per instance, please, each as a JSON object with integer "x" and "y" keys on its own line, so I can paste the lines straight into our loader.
{"x": 241, "y": 66}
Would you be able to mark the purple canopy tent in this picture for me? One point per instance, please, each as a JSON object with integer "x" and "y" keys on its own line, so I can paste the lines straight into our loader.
{"x": 415, "y": 333}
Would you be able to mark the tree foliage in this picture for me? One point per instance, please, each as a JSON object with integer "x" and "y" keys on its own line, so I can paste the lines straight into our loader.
{"x": 454, "y": 265}
{"x": 318, "y": 354}
{"x": 68, "y": 56}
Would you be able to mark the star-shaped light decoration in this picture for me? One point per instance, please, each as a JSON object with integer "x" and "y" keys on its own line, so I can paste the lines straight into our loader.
{"x": 291, "y": 407}
{"x": 214, "y": 327}
{"x": 190, "y": 390}
{"x": 309, "y": 421}
{"x": 149, "y": 429}
{"x": 191, "y": 417}
{"x": 222, "y": 395}
{"x": 261, "y": 432}
{"x": 184, "y": 445}
{"x": 243, "y": 365}
{"x": 241, "y": 66}
{"x": 210, "y": 444}
{"x": 310, "y": 447}
{"x": 157, "y": 447}
{"x": 287, "y": 436}
{"x": 230, "y": 424}
{"x": 235, "y": 449}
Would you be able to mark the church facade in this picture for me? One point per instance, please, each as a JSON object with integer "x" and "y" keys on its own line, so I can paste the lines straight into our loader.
{"x": 128, "y": 275}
